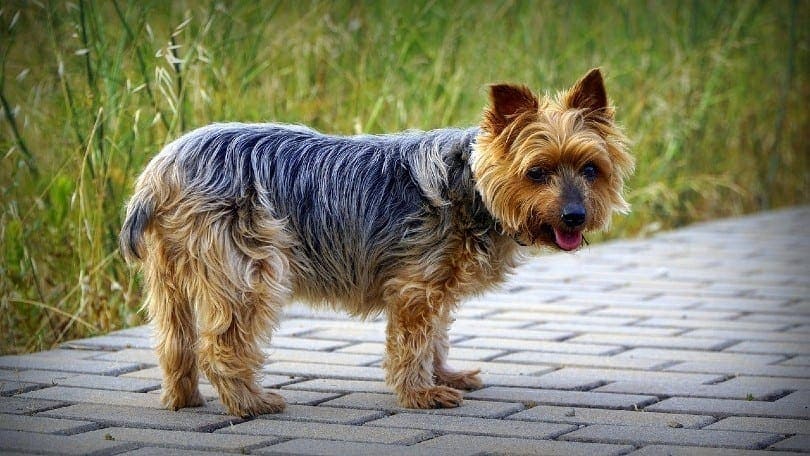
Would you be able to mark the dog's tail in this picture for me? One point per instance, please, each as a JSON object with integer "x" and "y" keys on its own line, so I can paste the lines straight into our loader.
{"x": 139, "y": 214}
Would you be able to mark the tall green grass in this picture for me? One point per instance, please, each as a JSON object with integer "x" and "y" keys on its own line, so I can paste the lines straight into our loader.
{"x": 713, "y": 94}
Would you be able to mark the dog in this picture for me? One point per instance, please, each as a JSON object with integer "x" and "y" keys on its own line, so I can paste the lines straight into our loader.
{"x": 232, "y": 221}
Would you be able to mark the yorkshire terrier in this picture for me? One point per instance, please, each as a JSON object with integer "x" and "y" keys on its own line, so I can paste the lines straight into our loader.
{"x": 232, "y": 221}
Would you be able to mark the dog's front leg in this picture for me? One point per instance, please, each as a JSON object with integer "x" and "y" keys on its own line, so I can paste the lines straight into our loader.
{"x": 410, "y": 353}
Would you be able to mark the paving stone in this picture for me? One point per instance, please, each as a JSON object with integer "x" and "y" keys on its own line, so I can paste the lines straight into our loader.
{"x": 498, "y": 367}
{"x": 733, "y": 368}
{"x": 162, "y": 451}
{"x": 12, "y": 387}
{"x": 475, "y": 354}
{"x": 559, "y": 359}
{"x": 317, "y": 357}
{"x": 710, "y": 325}
{"x": 114, "y": 415}
{"x": 313, "y": 447}
{"x": 797, "y": 361}
{"x": 24, "y": 406}
{"x": 67, "y": 365}
{"x": 135, "y": 385}
{"x": 666, "y": 313}
{"x": 340, "y": 386}
{"x": 95, "y": 396}
{"x": 470, "y": 445}
{"x": 182, "y": 439}
{"x": 539, "y": 317}
{"x": 110, "y": 342}
{"x": 30, "y": 442}
{"x": 387, "y": 402}
{"x": 475, "y": 426}
{"x": 539, "y": 345}
{"x": 578, "y": 415}
{"x": 795, "y": 443}
{"x": 698, "y": 355}
{"x": 214, "y": 405}
{"x": 780, "y": 348}
{"x": 293, "y": 429}
{"x": 786, "y": 407}
{"x": 569, "y": 398}
{"x": 672, "y": 450}
{"x": 322, "y": 414}
{"x": 625, "y": 375}
{"x": 693, "y": 343}
{"x": 325, "y": 370}
{"x": 131, "y": 355}
{"x": 44, "y": 425}
{"x": 754, "y": 424}
{"x": 305, "y": 343}
{"x": 673, "y": 436}
{"x": 633, "y": 330}
{"x": 738, "y": 334}
{"x": 50, "y": 378}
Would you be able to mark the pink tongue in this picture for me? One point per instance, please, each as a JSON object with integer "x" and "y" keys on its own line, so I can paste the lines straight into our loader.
{"x": 567, "y": 240}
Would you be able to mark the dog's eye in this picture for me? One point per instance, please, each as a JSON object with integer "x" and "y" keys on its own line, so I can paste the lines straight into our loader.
{"x": 538, "y": 174}
{"x": 590, "y": 172}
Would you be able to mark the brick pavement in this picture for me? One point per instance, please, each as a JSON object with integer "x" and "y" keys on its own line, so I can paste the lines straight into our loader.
{"x": 695, "y": 341}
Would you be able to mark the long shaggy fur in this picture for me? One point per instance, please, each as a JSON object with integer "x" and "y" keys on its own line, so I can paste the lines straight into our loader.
{"x": 231, "y": 221}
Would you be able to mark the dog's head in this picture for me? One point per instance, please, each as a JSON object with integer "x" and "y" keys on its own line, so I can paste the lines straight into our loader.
{"x": 550, "y": 169}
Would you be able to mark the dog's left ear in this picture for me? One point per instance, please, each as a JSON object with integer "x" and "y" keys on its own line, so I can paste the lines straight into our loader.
{"x": 507, "y": 102}
{"x": 589, "y": 95}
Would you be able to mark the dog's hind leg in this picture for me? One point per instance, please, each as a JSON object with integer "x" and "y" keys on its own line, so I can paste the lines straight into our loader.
{"x": 243, "y": 283}
{"x": 176, "y": 333}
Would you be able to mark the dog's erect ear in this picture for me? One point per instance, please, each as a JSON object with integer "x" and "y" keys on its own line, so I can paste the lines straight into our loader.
{"x": 507, "y": 102}
{"x": 589, "y": 95}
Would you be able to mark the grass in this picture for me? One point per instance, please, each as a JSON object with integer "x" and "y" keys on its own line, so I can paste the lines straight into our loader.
{"x": 713, "y": 94}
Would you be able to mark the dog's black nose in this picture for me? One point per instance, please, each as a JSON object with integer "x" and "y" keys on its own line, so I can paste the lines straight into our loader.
{"x": 573, "y": 215}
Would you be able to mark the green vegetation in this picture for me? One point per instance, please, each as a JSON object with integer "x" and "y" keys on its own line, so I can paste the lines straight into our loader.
{"x": 713, "y": 94}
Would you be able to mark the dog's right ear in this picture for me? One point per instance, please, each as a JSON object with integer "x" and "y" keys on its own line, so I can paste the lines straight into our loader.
{"x": 506, "y": 103}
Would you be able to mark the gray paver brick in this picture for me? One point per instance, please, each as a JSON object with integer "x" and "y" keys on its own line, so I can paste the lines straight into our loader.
{"x": 325, "y": 370}
{"x": 540, "y": 345}
{"x": 30, "y": 442}
{"x": 734, "y": 368}
{"x": 559, "y": 359}
{"x": 340, "y": 386}
{"x": 67, "y": 365}
{"x": 786, "y": 407}
{"x": 21, "y": 405}
{"x": 779, "y": 348}
{"x": 699, "y": 355}
{"x": 318, "y": 357}
{"x": 578, "y": 415}
{"x": 293, "y": 429}
{"x": 673, "y": 436}
{"x": 324, "y": 414}
{"x": 569, "y": 398}
{"x": 163, "y": 451}
{"x": 754, "y": 424}
{"x": 313, "y": 447}
{"x": 795, "y": 443}
{"x": 633, "y": 330}
{"x": 113, "y": 415}
{"x": 673, "y": 450}
{"x": 476, "y": 426}
{"x": 44, "y": 425}
{"x": 469, "y": 445}
{"x": 629, "y": 340}
{"x": 455, "y": 352}
{"x": 95, "y": 396}
{"x": 182, "y": 439}
{"x": 387, "y": 402}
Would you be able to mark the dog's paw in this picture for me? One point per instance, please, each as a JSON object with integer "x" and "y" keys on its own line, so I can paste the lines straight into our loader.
{"x": 176, "y": 401}
{"x": 463, "y": 380}
{"x": 259, "y": 404}
{"x": 433, "y": 397}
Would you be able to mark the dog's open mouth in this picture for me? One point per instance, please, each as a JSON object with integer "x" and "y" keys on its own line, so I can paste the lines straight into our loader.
{"x": 564, "y": 239}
